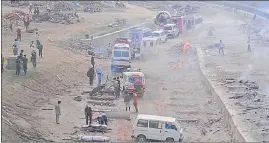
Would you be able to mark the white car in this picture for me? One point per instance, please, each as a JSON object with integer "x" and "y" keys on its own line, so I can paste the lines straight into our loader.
{"x": 171, "y": 30}
{"x": 161, "y": 34}
{"x": 159, "y": 128}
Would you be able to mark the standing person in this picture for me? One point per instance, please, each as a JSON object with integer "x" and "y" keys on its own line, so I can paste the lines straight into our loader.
{"x": 92, "y": 61}
{"x": 88, "y": 115}
{"x": 19, "y": 34}
{"x": 15, "y": 47}
{"x": 21, "y": 54}
{"x": 32, "y": 45}
{"x": 135, "y": 102}
{"x": 221, "y": 47}
{"x": 127, "y": 99}
{"x": 18, "y": 65}
{"x": 57, "y": 111}
{"x": 2, "y": 63}
{"x": 11, "y": 27}
{"x": 90, "y": 74}
{"x": 24, "y": 64}
{"x": 40, "y": 50}
{"x": 99, "y": 73}
{"x": 118, "y": 88}
{"x": 30, "y": 8}
{"x": 249, "y": 49}
{"x": 33, "y": 58}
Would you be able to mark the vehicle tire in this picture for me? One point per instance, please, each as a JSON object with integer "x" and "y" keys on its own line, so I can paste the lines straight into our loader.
{"x": 180, "y": 140}
{"x": 170, "y": 140}
{"x": 141, "y": 138}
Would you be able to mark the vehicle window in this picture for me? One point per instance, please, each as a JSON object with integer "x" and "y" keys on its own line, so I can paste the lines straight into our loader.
{"x": 151, "y": 44}
{"x": 175, "y": 21}
{"x": 155, "y": 34}
{"x": 145, "y": 44}
{"x": 125, "y": 54}
{"x": 133, "y": 79}
{"x": 142, "y": 123}
{"x": 155, "y": 124}
{"x": 117, "y": 53}
{"x": 174, "y": 127}
{"x": 167, "y": 28}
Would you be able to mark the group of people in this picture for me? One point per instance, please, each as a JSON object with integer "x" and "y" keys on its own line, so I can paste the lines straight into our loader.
{"x": 102, "y": 118}
{"x": 127, "y": 100}
{"x": 22, "y": 60}
{"x": 94, "y": 71}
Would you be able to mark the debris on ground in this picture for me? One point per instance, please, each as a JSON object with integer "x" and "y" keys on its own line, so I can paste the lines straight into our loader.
{"x": 14, "y": 16}
{"x": 77, "y": 98}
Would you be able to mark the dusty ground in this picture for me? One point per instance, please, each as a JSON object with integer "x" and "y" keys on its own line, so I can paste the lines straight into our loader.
{"x": 61, "y": 76}
{"x": 58, "y": 72}
{"x": 182, "y": 95}
{"x": 239, "y": 72}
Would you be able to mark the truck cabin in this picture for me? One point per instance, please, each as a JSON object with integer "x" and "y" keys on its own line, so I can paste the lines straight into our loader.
{"x": 121, "y": 52}
{"x": 178, "y": 21}
{"x": 136, "y": 34}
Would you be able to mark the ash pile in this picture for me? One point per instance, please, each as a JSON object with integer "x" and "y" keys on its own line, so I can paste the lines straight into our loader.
{"x": 62, "y": 12}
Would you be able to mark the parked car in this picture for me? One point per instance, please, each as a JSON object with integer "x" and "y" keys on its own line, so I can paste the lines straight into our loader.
{"x": 161, "y": 34}
{"x": 159, "y": 128}
{"x": 171, "y": 30}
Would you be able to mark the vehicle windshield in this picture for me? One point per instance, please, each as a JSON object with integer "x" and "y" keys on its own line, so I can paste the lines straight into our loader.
{"x": 155, "y": 34}
{"x": 117, "y": 53}
{"x": 167, "y": 28}
{"x": 134, "y": 79}
{"x": 125, "y": 54}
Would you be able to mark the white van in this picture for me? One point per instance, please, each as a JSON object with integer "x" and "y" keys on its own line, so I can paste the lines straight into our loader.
{"x": 159, "y": 128}
{"x": 171, "y": 30}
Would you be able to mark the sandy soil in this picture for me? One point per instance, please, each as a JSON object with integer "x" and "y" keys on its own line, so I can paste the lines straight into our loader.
{"x": 61, "y": 76}
{"x": 181, "y": 94}
{"x": 238, "y": 64}
{"x": 58, "y": 72}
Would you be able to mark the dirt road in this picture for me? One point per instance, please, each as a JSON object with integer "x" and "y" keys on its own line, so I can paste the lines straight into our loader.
{"x": 56, "y": 74}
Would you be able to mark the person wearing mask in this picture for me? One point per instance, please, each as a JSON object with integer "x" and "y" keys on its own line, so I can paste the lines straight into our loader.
{"x": 127, "y": 99}
{"x": 90, "y": 74}
{"x": 18, "y": 66}
{"x": 88, "y": 115}
{"x": 99, "y": 73}
{"x": 221, "y": 47}
{"x": 33, "y": 58}
{"x": 24, "y": 64}
{"x": 135, "y": 102}
{"x": 57, "y": 111}
{"x": 19, "y": 34}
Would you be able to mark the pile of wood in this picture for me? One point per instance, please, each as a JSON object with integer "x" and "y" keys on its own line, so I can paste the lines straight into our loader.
{"x": 15, "y": 15}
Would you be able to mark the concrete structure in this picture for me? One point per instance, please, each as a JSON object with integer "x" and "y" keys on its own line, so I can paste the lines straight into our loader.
{"x": 11, "y": 63}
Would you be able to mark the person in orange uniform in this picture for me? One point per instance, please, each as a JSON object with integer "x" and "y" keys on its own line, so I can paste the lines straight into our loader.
{"x": 135, "y": 99}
